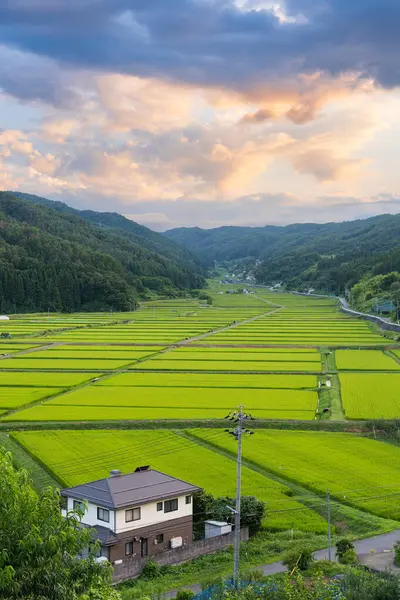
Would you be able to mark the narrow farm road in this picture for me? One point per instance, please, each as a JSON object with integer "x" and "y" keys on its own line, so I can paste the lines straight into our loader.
{"x": 378, "y": 544}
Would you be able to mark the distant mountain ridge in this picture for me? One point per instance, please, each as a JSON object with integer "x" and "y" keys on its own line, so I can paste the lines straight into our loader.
{"x": 330, "y": 256}
{"x": 55, "y": 257}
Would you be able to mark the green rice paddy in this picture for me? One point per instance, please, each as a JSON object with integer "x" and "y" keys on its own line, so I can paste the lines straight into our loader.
{"x": 181, "y": 360}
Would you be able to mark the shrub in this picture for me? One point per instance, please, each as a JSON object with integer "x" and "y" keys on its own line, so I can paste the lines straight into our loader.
{"x": 151, "y": 570}
{"x": 184, "y": 595}
{"x": 349, "y": 557}
{"x": 361, "y": 585}
{"x": 298, "y": 557}
{"x": 342, "y": 546}
{"x": 397, "y": 553}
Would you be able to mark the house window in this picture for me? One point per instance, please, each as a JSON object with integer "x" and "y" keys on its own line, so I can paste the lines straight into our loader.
{"x": 63, "y": 503}
{"x": 128, "y": 548}
{"x": 103, "y": 514}
{"x": 171, "y": 505}
{"x": 133, "y": 514}
{"x": 188, "y": 499}
{"x": 159, "y": 506}
{"x": 78, "y": 505}
{"x": 159, "y": 538}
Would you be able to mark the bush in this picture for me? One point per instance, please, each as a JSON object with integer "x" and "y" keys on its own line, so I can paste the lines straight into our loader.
{"x": 184, "y": 595}
{"x": 361, "y": 585}
{"x": 342, "y": 546}
{"x": 300, "y": 558}
{"x": 397, "y": 554}
{"x": 151, "y": 570}
{"x": 349, "y": 557}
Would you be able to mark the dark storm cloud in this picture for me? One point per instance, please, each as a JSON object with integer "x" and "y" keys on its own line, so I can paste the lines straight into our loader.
{"x": 210, "y": 42}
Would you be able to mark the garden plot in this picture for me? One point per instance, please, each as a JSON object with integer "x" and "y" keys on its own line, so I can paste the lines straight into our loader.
{"x": 119, "y": 403}
{"x": 365, "y": 360}
{"x": 370, "y": 395}
{"x": 357, "y": 471}
{"x": 76, "y": 457}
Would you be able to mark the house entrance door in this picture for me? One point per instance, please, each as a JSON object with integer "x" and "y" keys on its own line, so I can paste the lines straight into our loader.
{"x": 144, "y": 550}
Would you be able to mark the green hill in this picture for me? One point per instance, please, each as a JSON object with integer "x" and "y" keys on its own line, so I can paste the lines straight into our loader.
{"x": 55, "y": 257}
{"x": 329, "y": 257}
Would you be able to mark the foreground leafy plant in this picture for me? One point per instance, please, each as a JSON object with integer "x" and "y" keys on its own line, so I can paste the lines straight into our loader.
{"x": 40, "y": 552}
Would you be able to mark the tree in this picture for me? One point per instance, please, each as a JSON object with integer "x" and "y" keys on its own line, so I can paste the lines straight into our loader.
{"x": 39, "y": 556}
{"x": 298, "y": 558}
{"x": 252, "y": 511}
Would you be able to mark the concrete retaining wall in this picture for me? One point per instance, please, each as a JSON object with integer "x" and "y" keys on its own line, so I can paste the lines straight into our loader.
{"x": 132, "y": 567}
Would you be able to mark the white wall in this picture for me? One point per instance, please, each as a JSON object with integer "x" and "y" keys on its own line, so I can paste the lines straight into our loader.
{"x": 90, "y": 516}
{"x": 150, "y": 515}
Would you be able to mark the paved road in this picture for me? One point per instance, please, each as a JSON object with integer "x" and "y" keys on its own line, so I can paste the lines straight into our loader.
{"x": 379, "y": 544}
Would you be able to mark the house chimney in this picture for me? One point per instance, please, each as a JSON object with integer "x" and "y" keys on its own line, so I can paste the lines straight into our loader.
{"x": 115, "y": 473}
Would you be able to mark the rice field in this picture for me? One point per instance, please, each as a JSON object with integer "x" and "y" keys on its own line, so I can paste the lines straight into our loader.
{"x": 59, "y": 364}
{"x": 370, "y": 395}
{"x": 211, "y": 380}
{"x": 76, "y": 457}
{"x": 351, "y": 467}
{"x": 158, "y": 363}
{"x": 13, "y": 397}
{"x": 143, "y": 403}
{"x": 365, "y": 360}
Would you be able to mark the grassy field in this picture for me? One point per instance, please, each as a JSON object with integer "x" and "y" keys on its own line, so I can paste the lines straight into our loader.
{"x": 365, "y": 360}
{"x": 78, "y": 456}
{"x": 357, "y": 471}
{"x": 371, "y": 395}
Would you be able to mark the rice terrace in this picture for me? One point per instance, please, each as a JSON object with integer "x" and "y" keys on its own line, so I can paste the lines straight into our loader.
{"x": 80, "y": 393}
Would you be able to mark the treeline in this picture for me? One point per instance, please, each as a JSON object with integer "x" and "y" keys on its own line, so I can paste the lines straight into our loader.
{"x": 58, "y": 261}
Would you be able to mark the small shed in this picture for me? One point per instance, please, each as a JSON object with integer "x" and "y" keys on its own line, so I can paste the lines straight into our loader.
{"x": 4, "y": 318}
{"x": 215, "y": 528}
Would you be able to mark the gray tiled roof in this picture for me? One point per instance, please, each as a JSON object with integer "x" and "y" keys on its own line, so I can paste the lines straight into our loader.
{"x": 130, "y": 490}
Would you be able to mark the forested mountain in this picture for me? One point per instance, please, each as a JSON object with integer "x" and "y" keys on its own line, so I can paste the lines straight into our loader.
{"x": 136, "y": 233}
{"x": 52, "y": 258}
{"x": 328, "y": 256}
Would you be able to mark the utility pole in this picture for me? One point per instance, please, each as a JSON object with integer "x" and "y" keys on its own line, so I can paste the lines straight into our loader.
{"x": 328, "y": 501}
{"x": 238, "y": 417}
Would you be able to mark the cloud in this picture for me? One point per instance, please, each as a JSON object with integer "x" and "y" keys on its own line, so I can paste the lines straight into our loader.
{"x": 261, "y": 115}
{"x": 215, "y": 43}
{"x": 33, "y": 78}
{"x": 325, "y": 166}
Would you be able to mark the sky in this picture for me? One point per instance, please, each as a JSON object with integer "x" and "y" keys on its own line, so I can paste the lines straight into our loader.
{"x": 203, "y": 112}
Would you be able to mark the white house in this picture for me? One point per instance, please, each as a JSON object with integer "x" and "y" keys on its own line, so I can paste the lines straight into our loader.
{"x": 139, "y": 514}
{"x": 4, "y": 318}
